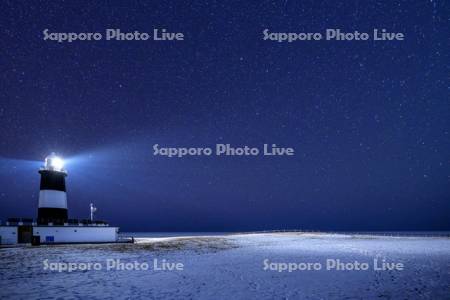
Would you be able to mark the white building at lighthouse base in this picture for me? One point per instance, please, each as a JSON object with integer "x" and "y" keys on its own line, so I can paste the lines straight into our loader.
{"x": 73, "y": 234}
{"x": 65, "y": 234}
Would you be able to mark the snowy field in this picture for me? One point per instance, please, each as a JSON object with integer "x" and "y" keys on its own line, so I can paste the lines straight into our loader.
{"x": 246, "y": 266}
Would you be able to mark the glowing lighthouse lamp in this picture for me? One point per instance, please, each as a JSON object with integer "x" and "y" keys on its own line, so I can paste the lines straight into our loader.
{"x": 54, "y": 163}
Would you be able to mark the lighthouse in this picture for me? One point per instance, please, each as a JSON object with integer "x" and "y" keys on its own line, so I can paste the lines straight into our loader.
{"x": 52, "y": 206}
{"x": 53, "y": 225}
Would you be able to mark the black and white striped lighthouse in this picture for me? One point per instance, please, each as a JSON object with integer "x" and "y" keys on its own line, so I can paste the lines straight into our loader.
{"x": 52, "y": 195}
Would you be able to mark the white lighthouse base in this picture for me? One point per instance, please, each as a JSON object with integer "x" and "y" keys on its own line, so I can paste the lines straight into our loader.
{"x": 8, "y": 235}
{"x": 75, "y": 234}
{"x": 12, "y": 234}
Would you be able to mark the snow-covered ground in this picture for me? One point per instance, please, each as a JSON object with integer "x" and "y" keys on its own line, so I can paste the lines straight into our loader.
{"x": 233, "y": 267}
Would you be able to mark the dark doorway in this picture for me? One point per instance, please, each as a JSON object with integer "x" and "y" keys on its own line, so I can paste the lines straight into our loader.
{"x": 25, "y": 234}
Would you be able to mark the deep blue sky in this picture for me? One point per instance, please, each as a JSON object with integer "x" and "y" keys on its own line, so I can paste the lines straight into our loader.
{"x": 369, "y": 121}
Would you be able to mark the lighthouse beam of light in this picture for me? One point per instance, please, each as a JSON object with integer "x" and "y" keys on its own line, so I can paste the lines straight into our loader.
{"x": 15, "y": 164}
{"x": 106, "y": 168}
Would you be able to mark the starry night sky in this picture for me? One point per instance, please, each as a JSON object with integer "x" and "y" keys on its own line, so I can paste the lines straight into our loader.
{"x": 369, "y": 121}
